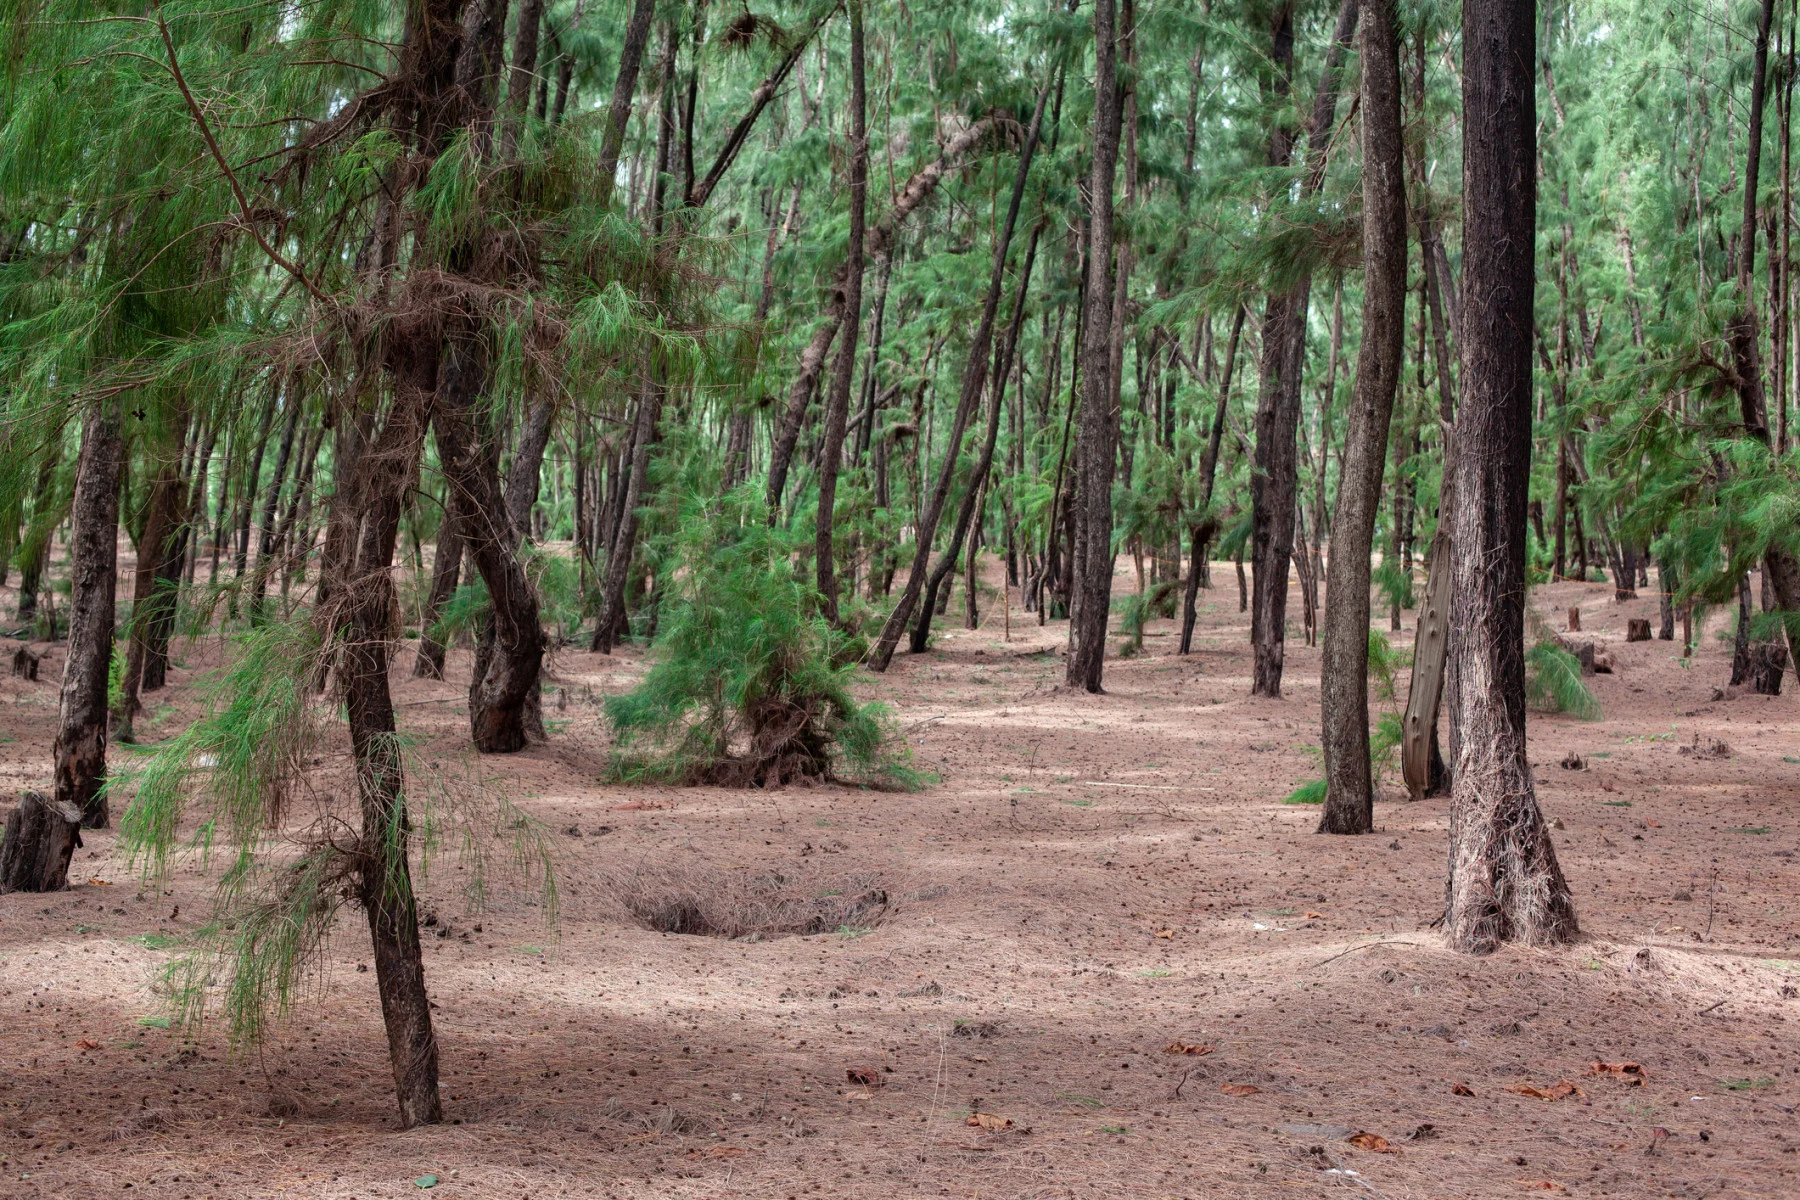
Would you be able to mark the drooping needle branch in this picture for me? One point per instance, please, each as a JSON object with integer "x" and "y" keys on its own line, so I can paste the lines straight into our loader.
{"x": 237, "y": 189}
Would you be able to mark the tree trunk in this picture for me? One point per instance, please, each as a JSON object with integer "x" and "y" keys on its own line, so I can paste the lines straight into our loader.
{"x": 837, "y": 402}
{"x": 631, "y": 59}
{"x": 1274, "y": 479}
{"x": 1202, "y": 533}
{"x": 41, "y": 837}
{"x": 974, "y": 379}
{"x": 507, "y": 675}
{"x": 1505, "y": 882}
{"x": 446, "y": 570}
{"x": 1091, "y": 593}
{"x": 612, "y": 623}
{"x": 80, "y": 751}
{"x": 151, "y": 595}
{"x": 1344, "y": 671}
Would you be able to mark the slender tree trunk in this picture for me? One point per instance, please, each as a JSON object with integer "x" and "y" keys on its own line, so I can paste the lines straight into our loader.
{"x": 631, "y": 60}
{"x": 611, "y": 627}
{"x": 1344, "y": 671}
{"x": 1091, "y": 594}
{"x": 80, "y": 751}
{"x": 265, "y": 545}
{"x": 1505, "y": 882}
{"x": 837, "y": 402}
{"x": 446, "y": 570}
{"x": 1274, "y": 479}
{"x": 1202, "y": 533}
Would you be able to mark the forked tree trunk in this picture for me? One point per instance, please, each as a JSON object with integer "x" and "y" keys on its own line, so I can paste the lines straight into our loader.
{"x": 1091, "y": 592}
{"x": 81, "y": 732}
{"x": 1505, "y": 881}
{"x": 1344, "y": 672}
{"x": 506, "y": 676}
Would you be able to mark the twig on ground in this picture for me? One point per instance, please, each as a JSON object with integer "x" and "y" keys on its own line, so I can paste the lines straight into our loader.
{"x": 925, "y": 722}
{"x": 1710, "y": 1007}
{"x": 1364, "y": 946}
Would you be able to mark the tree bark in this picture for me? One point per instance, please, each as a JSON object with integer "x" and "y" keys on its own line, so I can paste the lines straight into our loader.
{"x": 1344, "y": 671}
{"x": 1202, "y": 533}
{"x": 508, "y": 673}
{"x": 41, "y": 837}
{"x": 1505, "y": 882}
{"x": 611, "y": 626}
{"x": 837, "y": 402}
{"x": 1091, "y": 598}
{"x": 446, "y": 571}
{"x": 631, "y": 60}
{"x": 81, "y": 734}
{"x": 1274, "y": 479}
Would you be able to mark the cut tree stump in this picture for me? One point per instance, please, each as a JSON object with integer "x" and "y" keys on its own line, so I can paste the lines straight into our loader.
{"x": 1574, "y": 619}
{"x": 25, "y": 664}
{"x": 1583, "y": 652}
{"x": 1637, "y": 629}
{"x": 41, "y": 837}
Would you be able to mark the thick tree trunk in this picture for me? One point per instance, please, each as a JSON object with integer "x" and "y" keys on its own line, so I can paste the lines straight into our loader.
{"x": 41, "y": 837}
{"x": 1505, "y": 882}
{"x": 80, "y": 751}
{"x": 837, "y": 402}
{"x": 1344, "y": 672}
{"x": 1091, "y": 594}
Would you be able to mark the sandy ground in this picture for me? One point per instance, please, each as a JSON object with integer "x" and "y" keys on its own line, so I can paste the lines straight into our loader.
{"x": 1092, "y": 879}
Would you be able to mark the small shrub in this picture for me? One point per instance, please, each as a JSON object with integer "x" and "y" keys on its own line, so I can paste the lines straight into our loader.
{"x": 1553, "y": 682}
{"x": 750, "y": 685}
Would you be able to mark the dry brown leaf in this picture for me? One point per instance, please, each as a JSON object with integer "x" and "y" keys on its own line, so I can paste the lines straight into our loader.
{"x": 1239, "y": 1089}
{"x": 1541, "y": 1185}
{"x": 1462, "y": 1089}
{"x": 87, "y": 1044}
{"x": 1313, "y": 916}
{"x": 1635, "y": 1070}
{"x": 98, "y": 882}
{"x": 1372, "y": 1142}
{"x": 867, "y": 1076}
{"x": 989, "y": 1122}
{"x": 1165, "y": 933}
{"x": 1187, "y": 1048}
{"x": 1555, "y": 1091}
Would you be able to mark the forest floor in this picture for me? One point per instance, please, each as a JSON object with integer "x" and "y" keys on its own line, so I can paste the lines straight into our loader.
{"x": 1092, "y": 881}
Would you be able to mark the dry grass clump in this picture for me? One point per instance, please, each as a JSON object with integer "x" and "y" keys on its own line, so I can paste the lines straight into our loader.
{"x": 750, "y": 904}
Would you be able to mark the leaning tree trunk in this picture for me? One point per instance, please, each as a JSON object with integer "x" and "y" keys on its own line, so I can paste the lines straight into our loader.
{"x": 1344, "y": 672}
{"x": 80, "y": 751}
{"x": 1505, "y": 882}
{"x": 446, "y": 570}
{"x": 1091, "y": 599}
{"x": 506, "y": 675}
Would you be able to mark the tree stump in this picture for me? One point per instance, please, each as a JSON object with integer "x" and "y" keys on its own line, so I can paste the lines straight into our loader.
{"x": 1574, "y": 619}
{"x": 41, "y": 837}
{"x": 25, "y": 664}
{"x": 1767, "y": 661}
{"x": 1637, "y": 629}
{"x": 1583, "y": 652}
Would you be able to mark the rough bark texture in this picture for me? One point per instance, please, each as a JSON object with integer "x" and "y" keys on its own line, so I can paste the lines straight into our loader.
{"x": 611, "y": 626}
{"x": 81, "y": 733}
{"x": 446, "y": 571}
{"x": 1505, "y": 883}
{"x": 1344, "y": 672}
{"x": 1091, "y": 598}
{"x": 837, "y": 403}
{"x": 506, "y": 674}
{"x": 1274, "y": 479}
{"x": 41, "y": 837}
{"x": 631, "y": 60}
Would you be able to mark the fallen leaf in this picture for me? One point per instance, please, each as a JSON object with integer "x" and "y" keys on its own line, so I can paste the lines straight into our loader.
{"x": 1618, "y": 1068}
{"x": 1165, "y": 933}
{"x": 1555, "y": 1091}
{"x": 1541, "y": 1185}
{"x": 87, "y": 1044}
{"x": 1187, "y": 1048}
{"x": 1462, "y": 1089}
{"x": 1313, "y": 916}
{"x": 1372, "y": 1142}
{"x": 426, "y": 1181}
{"x": 989, "y": 1122}
{"x": 867, "y": 1076}
{"x": 97, "y": 882}
{"x": 1239, "y": 1089}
